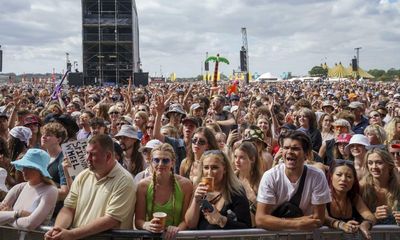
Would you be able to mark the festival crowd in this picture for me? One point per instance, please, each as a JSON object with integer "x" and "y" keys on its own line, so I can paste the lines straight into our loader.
{"x": 187, "y": 156}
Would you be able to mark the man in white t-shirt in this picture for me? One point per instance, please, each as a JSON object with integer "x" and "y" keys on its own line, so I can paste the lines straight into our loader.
{"x": 280, "y": 183}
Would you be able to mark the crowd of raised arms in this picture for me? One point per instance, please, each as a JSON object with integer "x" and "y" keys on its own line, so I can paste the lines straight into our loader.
{"x": 187, "y": 156}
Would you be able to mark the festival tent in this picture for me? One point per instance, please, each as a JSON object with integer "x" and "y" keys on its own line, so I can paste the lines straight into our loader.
{"x": 267, "y": 77}
{"x": 339, "y": 71}
{"x": 360, "y": 73}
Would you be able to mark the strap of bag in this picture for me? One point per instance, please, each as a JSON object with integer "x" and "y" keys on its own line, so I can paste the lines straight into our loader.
{"x": 296, "y": 198}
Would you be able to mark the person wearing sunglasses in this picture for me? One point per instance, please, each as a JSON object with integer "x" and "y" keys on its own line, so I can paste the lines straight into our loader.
{"x": 141, "y": 119}
{"x": 380, "y": 186}
{"x": 330, "y": 149}
{"x": 347, "y": 211}
{"x": 114, "y": 114}
{"x": 163, "y": 191}
{"x": 375, "y": 118}
{"x": 227, "y": 204}
{"x": 360, "y": 122}
{"x": 203, "y": 139}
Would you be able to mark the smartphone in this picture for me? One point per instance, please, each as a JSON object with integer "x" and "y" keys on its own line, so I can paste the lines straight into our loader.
{"x": 206, "y": 206}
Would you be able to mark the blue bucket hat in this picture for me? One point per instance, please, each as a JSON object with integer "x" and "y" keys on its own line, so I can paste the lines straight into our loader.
{"x": 34, "y": 158}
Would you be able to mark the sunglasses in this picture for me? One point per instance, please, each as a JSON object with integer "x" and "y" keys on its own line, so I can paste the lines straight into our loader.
{"x": 114, "y": 112}
{"x": 375, "y": 115}
{"x": 164, "y": 161}
{"x": 199, "y": 141}
{"x": 339, "y": 127}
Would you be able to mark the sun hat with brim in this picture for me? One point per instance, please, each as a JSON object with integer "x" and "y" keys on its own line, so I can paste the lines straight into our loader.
{"x": 195, "y": 106}
{"x": 356, "y": 105}
{"x": 327, "y": 104}
{"x": 22, "y": 133}
{"x": 344, "y": 138}
{"x": 191, "y": 119}
{"x": 357, "y": 139}
{"x": 255, "y": 134}
{"x": 151, "y": 144}
{"x": 127, "y": 131}
{"x": 34, "y": 158}
{"x": 3, "y": 176}
{"x": 176, "y": 108}
{"x": 3, "y": 115}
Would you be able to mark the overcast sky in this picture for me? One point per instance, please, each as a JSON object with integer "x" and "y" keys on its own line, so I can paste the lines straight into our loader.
{"x": 284, "y": 35}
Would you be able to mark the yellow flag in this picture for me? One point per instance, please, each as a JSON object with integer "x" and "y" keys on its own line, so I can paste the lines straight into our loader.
{"x": 173, "y": 77}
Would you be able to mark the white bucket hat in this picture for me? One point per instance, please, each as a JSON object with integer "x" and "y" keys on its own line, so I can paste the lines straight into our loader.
{"x": 357, "y": 139}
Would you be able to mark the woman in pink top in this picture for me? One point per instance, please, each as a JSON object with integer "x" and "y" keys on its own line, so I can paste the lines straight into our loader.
{"x": 29, "y": 204}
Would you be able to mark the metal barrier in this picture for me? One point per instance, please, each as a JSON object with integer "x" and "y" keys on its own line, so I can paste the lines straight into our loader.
{"x": 379, "y": 232}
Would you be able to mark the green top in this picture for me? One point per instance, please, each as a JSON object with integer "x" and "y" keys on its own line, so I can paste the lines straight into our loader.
{"x": 174, "y": 216}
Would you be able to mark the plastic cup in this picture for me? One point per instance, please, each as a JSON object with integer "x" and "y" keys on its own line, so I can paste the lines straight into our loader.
{"x": 209, "y": 182}
{"x": 162, "y": 216}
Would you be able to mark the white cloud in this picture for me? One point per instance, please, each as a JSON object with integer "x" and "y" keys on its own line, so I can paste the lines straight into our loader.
{"x": 287, "y": 35}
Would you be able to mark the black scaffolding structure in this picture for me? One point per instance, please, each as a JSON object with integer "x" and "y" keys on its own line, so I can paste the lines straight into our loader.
{"x": 110, "y": 38}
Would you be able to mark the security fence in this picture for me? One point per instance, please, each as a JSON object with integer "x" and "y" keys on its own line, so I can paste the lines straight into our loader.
{"x": 380, "y": 232}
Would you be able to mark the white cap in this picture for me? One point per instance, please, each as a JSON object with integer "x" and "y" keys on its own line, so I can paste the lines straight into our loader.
{"x": 151, "y": 144}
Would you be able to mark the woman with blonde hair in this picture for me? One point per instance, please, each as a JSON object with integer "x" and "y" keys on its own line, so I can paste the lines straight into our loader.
{"x": 376, "y": 135}
{"x": 140, "y": 119}
{"x": 221, "y": 205}
{"x": 248, "y": 167}
{"x": 380, "y": 187}
{"x": 164, "y": 192}
{"x": 392, "y": 129}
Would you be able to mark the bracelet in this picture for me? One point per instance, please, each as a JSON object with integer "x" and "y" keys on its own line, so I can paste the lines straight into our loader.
{"x": 341, "y": 223}
{"x": 16, "y": 215}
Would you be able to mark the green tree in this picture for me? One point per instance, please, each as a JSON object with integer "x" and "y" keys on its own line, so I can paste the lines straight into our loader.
{"x": 318, "y": 71}
{"x": 377, "y": 73}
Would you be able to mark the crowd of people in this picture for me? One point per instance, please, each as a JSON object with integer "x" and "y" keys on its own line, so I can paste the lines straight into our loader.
{"x": 178, "y": 156}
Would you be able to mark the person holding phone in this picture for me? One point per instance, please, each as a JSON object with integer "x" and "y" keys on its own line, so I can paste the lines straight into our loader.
{"x": 223, "y": 207}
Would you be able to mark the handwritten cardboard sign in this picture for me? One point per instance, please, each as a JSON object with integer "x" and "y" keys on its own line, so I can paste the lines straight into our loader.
{"x": 75, "y": 152}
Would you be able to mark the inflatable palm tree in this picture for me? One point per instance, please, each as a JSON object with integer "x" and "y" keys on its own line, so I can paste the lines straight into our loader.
{"x": 217, "y": 59}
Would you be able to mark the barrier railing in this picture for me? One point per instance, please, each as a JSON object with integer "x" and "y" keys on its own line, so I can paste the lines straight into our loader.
{"x": 380, "y": 232}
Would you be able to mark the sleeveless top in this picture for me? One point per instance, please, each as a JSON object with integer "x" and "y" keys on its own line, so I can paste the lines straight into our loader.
{"x": 354, "y": 214}
{"x": 174, "y": 214}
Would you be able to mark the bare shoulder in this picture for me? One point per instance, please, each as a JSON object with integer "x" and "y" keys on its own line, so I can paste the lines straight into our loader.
{"x": 144, "y": 183}
{"x": 185, "y": 183}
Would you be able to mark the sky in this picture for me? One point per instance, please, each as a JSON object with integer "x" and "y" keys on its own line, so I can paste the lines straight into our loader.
{"x": 283, "y": 36}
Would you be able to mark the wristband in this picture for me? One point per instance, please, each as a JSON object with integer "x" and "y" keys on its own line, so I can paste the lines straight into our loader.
{"x": 341, "y": 223}
{"x": 146, "y": 225}
{"x": 16, "y": 215}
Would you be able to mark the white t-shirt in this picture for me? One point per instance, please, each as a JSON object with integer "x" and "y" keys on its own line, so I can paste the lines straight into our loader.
{"x": 275, "y": 188}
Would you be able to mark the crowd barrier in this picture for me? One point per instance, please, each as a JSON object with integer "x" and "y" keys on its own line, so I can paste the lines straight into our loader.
{"x": 380, "y": 232}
